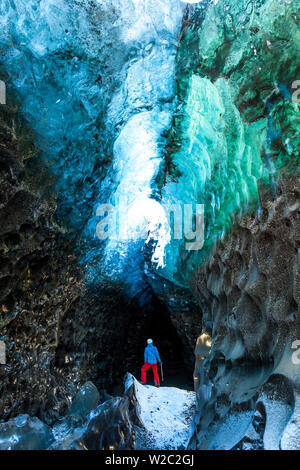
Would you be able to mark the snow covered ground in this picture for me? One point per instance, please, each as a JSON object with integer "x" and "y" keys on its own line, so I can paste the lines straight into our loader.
{"x": 278, "y": 416}
{"x": 166, "y": 413}
{"x": 230, "y": 431}
{"x": 291, "y": 436}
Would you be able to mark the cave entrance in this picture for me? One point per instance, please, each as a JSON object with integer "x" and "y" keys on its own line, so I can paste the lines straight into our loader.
{"x": 153, "y": 321}
{"x": 170, "y": 347}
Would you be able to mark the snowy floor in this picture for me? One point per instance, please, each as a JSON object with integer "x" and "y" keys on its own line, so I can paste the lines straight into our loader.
{"x": 291, "y": 436}
{"x": 166, "y": 413}
{"x": 230, "y": 431}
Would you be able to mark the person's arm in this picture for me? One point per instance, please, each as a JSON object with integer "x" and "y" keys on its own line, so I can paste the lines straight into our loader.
{"x": 157, "y": 355}
{"x": 145, "y": 355}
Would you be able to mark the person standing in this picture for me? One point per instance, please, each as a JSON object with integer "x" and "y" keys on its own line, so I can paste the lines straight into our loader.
{"x": 151, "y": 358}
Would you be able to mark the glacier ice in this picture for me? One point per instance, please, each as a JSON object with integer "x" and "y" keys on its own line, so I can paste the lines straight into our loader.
{"x": 86, "y": 399}
{"x": 96, "y": 85}
{"x": 149, "y": 83}
{"x": 25, "y": 433}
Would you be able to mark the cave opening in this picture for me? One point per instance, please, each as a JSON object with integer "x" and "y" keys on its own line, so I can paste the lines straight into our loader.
{"x": 153, "y": 320}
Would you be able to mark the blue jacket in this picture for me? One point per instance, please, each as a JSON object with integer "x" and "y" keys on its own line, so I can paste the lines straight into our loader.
{"x": 151, "y": 354}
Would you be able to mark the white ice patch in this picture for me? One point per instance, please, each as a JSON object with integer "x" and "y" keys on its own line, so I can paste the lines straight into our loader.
{"x": 149, "y": 18}
{"x": 278, "y": 415}
{"x": 147, "y": 217}
{"x": 142, "y": 107}
{"x": 166, "y": 413}
{"x": 137, "y": 158}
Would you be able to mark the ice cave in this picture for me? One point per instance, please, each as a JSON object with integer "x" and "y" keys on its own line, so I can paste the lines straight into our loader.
{"x": 149, "y": 189}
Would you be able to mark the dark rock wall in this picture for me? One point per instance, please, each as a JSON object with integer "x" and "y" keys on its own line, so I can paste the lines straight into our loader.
{"x": 39, "y": 279}
{"x": 58, "y": 330}
{"x": 183, "y": 310}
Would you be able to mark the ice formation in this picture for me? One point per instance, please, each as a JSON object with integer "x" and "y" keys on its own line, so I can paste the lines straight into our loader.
{"x": 143, "y": 106}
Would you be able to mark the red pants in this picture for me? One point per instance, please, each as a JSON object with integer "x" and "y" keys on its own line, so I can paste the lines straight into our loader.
{"x": 145, "y": 367}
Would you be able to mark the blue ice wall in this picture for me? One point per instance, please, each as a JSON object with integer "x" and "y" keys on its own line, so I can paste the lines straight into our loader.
{"x": 96, "y": 85}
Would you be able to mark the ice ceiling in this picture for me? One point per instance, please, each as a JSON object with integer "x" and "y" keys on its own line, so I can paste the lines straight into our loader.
{"x": 122, "y": 115}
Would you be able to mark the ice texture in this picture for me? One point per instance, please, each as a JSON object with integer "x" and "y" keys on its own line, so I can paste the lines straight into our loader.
{"x": 145, "y": 102}
{"x": 86, "y": 399}
{"x": 234, "y": 131}
{"x": 129, "y": 102}
{"x": 96, "y": 84}
{"x": 25, "y": 433}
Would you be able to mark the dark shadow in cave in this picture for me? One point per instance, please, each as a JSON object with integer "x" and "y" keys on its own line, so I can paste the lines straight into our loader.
{"x": 103, "y": 334}
{"x": 152, "y": 320}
